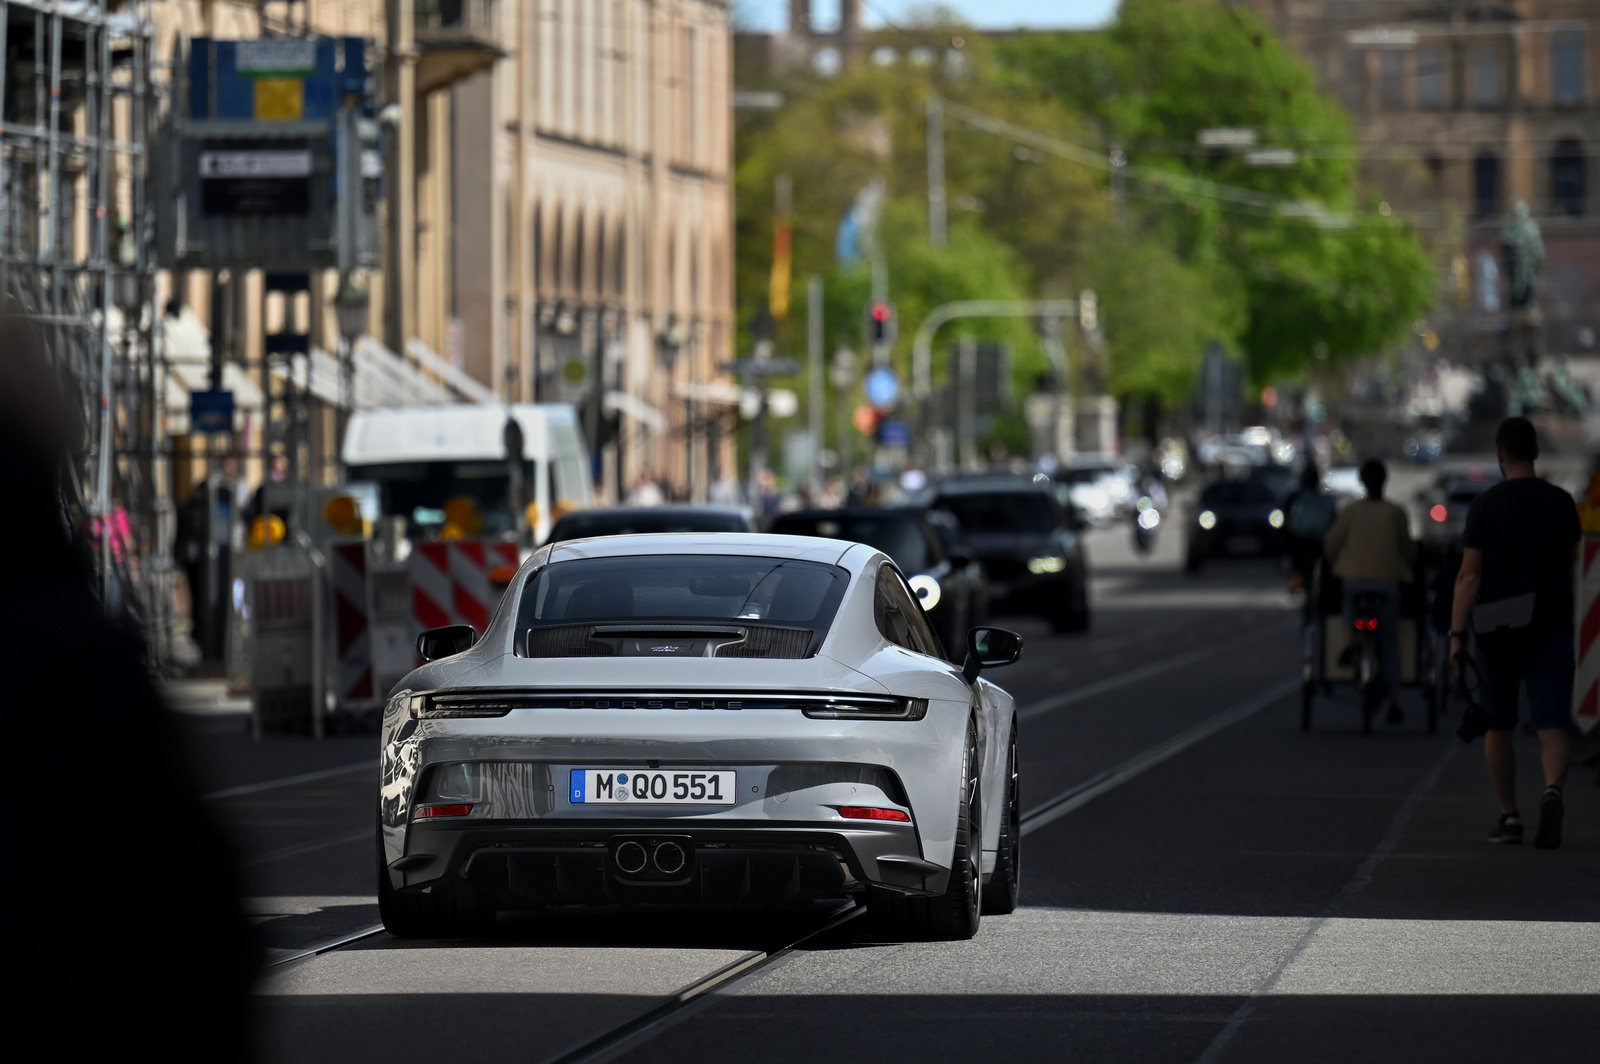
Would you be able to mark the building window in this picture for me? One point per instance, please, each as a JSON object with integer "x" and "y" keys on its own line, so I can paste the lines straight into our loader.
{"x": 558, "y": 252}
{"x": 1566, "y": 67}
{"x": 1392, "y": 74}
{"x": 1567, "y": 178}
{"x": 580, "y": 280}
{"x": 538, "y": 249}
{"x": 620, "y": 261}
{"x": 1430, "y": 77}
{"x": 1486, "y": 185}
{"x": 1486, "y": 78}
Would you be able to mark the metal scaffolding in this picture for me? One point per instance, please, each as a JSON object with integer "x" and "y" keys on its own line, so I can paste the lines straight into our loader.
{"x": 76, "y": 110}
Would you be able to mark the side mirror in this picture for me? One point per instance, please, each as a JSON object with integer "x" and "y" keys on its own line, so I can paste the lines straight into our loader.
{"x": 990, "y": 648}
{"x": 438, "y": 643}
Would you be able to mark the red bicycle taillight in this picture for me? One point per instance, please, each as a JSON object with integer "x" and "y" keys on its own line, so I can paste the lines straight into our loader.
{"x": 1439, "y": 512}
{"x": 863, "y": 812}
{"x": 1366, "y": 624}
{"x": 427, "y": 812}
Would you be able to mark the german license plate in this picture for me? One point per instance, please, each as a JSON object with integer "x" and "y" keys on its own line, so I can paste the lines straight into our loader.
{"x": 648, "y": 786}
{"x": 1244, "y": 544}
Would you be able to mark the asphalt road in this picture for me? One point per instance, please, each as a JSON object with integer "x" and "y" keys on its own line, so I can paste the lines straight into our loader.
{"x": 1202, "y": 882}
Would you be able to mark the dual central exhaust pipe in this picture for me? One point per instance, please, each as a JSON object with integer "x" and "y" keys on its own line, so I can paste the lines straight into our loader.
{"x": 666, "y": 857}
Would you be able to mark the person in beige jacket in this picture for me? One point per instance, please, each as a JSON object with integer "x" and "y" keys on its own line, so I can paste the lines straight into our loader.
{"x": 1371, "y": 551}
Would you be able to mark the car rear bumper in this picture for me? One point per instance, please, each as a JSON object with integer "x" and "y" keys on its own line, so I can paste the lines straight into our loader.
{"x": 542, "y": 864}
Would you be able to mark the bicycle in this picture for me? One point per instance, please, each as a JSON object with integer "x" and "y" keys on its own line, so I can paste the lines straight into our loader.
{"x": 1367, "y": 657}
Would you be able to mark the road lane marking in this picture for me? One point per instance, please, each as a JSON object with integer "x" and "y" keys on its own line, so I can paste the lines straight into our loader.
{"x": 288, "y": 781}
{"x": 310, "y": 847}
{"x": 1092, "y": 788}
{"x": 1357, "y": 882}
{"x": 1145, "y": 672}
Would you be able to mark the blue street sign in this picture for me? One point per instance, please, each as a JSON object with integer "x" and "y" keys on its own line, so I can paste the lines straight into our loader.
{"x": 210, "y": 411}
{"x": 883, "y": 387}
{"x": 894, "y": 434}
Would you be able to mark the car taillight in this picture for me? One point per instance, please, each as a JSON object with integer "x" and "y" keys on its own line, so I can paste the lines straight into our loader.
{"x": 1439, "y": 512}
{"x": 427, "y": 812}
{"x": 1366, "y": 624}
{"x": 864, "y": 708}
{"x": 864, "y": 812}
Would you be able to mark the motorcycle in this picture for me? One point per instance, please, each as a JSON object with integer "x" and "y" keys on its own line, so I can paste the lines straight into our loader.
{"x": 1146, "y": 519}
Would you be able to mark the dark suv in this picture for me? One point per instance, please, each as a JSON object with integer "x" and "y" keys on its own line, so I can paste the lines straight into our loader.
{"x": 1029, "y": 547}
{"x": 929, "y": 548}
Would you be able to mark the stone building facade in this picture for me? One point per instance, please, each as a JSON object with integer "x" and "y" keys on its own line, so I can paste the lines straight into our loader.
{"x": 1465, "y": 108}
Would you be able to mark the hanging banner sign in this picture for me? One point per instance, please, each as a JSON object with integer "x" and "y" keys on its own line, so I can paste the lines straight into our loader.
{"x": 255, "y": 164}
{"x": 275, "y": 58}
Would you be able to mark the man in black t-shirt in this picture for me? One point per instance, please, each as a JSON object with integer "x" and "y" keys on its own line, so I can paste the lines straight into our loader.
{"x": 1515, "y": 585}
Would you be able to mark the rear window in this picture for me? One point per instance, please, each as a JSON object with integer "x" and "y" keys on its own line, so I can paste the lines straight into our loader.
{"x": 1240, "y": 493}
{"x": 1003, "y": 511}
{"x": 900, "y": 538}
{"x": 611, "y": 523}
{"x": 592, "y": 604}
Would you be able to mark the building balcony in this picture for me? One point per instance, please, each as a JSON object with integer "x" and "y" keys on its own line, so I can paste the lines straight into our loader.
{"x": 455, "y": 39}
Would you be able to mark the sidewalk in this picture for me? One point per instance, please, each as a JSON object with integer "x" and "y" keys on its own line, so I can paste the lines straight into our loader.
{"x": 203, "y": 697}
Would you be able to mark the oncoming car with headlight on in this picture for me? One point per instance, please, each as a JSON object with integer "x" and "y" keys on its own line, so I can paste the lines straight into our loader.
{"x": 1232, "y": 518}
{"x": 701, "y": 721}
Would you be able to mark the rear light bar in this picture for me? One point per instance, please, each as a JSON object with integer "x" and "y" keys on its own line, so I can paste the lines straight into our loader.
{"x": 864, "y": 812}
{"x": 1366, "y": 624}
{"x": 428, "y": 812}
{"x": 488, "y": 702}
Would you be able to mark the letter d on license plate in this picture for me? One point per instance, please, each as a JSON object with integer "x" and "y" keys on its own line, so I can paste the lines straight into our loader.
{"x": 648, "y": 786}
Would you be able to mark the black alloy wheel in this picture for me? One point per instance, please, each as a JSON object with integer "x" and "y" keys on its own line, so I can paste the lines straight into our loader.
{"x": 1000, "y": 894}
{"x": 954, "y": 914}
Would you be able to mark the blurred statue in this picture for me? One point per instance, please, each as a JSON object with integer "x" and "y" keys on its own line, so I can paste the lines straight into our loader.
{"x": 1524, "y": 255}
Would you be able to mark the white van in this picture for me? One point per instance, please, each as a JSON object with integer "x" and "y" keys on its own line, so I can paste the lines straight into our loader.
{"x": 422, "y": 457}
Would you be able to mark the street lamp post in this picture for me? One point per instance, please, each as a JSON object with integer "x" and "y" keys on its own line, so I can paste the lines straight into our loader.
{"x": 350, "y": 306}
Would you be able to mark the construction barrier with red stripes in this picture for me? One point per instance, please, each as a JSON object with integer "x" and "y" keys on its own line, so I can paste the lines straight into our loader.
{"x": 460, "y": 581}
{"x": 1586, "y": 691}
{"x": 379, "y": 606}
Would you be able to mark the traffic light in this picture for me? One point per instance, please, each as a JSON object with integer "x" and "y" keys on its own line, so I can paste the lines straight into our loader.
{"x": 881, "y": 323}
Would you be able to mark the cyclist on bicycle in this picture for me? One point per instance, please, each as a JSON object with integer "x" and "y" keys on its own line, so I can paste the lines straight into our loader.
{"x": 1371, "y": 551}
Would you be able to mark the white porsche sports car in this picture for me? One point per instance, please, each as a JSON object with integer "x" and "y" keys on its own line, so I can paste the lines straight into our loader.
{"x": 702, "y": 721}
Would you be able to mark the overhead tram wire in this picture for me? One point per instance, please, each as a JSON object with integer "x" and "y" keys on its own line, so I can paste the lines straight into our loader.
{"x": 1244, "y": 200}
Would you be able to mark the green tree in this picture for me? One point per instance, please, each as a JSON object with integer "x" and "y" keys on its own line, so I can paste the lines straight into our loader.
{"x": 1316, "y": 265}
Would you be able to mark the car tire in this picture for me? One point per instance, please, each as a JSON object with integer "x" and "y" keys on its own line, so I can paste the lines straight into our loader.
{"x": 443, "y": 912}
{"x": 955, "y": 914}
{"x": 1075, "y": 618}
{"x": 1000, "y": 894}
{"x": 1192, "y": 562}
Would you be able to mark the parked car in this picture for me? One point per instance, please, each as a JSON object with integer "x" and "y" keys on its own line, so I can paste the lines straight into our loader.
{"x": 1031, "y": 553}
{"x": 1233, "y": 518}
{"x": 631, "y": 520}
{"x": 700, "y": 722}
{"x": 927, "y": 545}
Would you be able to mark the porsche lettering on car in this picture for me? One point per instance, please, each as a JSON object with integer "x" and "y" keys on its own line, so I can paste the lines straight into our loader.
{"x": 701, "y": 721}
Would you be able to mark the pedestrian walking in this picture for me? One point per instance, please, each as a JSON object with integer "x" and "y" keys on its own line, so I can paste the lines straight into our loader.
{"x": 1371, "y": 551}
{"x": 1515, "y": 588}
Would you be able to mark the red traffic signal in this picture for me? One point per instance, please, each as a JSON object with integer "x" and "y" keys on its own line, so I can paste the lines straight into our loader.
{"x": 880, "y": 322}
